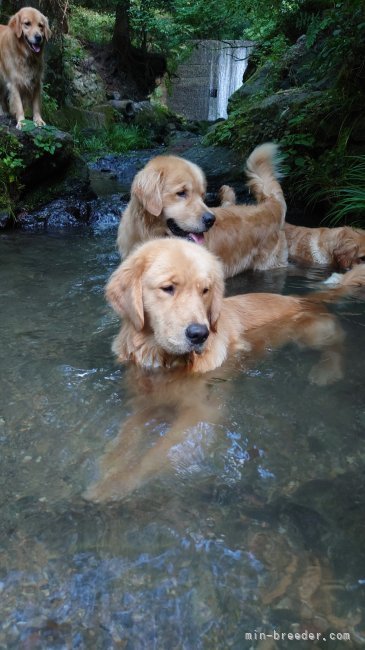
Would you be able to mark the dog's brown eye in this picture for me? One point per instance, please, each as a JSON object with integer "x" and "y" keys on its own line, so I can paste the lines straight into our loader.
{"x": 205, "y": 290}
{"x": 27, "y": 24}
{"x": 181, "y": 194}
{"x": 169, "y": 289}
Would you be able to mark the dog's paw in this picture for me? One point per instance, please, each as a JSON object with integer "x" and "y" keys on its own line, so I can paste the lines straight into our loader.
{"x": 38, "y": 121}
{"x": 327, "y": 371}
{"x": 20, "y": 123}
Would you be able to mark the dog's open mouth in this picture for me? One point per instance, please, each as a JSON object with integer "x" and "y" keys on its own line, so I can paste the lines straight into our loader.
{"x": 33, "y": 46}
{"x": 197, "y": 237}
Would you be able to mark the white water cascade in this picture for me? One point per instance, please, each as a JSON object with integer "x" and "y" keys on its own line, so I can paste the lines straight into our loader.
{"x": 227, "y": 70}
{"x": 208, "y": 78}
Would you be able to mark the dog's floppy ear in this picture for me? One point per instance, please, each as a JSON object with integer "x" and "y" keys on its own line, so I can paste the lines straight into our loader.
{"x": 345, "y": 254}
{"x": 217, "y": 297}
{"x": 47, "y": 31}
{"x": 124, "y": 292}
{"x": 147, "y": 188}
{"x": 15, "y": 24}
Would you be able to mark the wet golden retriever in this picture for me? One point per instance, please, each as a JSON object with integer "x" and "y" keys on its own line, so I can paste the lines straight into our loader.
{"x": 341, "y": 247}
{"x": 167, "y": 199}
{"x": 21, "y": 63}
{"x": 170, "y": 295}
{"x": 177, "y": 322}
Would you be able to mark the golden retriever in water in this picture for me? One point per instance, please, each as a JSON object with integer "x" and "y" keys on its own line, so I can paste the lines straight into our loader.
{"x": 167, "y": 199}
{"x": 21, "y": 63}
{"x": 170, "y": 294}
{"x": 341, "y": 247}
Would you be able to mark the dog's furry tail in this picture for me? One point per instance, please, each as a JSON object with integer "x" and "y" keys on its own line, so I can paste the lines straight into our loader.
{"x": 263, "y": 172}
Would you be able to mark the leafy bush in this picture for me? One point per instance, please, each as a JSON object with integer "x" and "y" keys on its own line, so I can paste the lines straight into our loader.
{"x": 118, "y": 138}
{"x": 91, "y": 26}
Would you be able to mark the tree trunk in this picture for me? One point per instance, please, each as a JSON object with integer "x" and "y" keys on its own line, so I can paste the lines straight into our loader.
{"x": 121, "y": 34}
{"x": 140, "y": 66}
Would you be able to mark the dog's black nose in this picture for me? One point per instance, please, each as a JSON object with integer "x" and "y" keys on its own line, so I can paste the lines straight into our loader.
{"x": 38, "y": 38}
{"x": 196, "y": 333}
{"x": 208, "y": 219}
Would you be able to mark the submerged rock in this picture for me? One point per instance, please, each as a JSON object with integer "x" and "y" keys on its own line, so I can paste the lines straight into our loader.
{"x": 62, "y": 214}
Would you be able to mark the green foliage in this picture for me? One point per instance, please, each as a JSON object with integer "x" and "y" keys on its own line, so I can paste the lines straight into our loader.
{"x": 211, "y": 19}
{"x": 11, "y": 164}
{"x": 12, "y": 161}
{"x": 348, "y": 198}
{"x": 118, "y": 138}
{"x": 73, "y": 53}
{"x": 44, "y": 138}
{"x": 49, "y": 103}
{"x": 91, "y": 26}
{"x": 339, "y": 35}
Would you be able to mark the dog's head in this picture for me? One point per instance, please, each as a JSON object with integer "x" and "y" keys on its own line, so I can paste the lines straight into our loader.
{"x": 350, "y": 249}
{"x": 32, "y": 27}
{"x": 172, "y": 189}
{"x": 172, "y": 290}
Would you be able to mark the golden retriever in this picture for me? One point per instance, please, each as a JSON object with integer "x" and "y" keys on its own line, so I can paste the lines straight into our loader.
{"x": 177, "y": 322}
{"x": 167, "y": 199}
{"x": 341, "y": 247}
{"x": 21, "y": 63}
{"x": 170, "y": 294}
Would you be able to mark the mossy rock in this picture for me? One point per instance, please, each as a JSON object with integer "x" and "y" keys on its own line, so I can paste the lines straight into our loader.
{"x": 33, "y": 160}
{"x": 155, "y": 119}
{"x": 72, "y": 181}
{"x": 70, "y": 117}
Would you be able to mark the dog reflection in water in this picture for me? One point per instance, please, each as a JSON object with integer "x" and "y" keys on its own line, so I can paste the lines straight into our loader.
{"x": 180, "y": 336}
{"x": 175, "y": 418}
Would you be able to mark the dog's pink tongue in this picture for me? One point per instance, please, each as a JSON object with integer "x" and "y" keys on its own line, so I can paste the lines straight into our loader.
{"x": 36, "y": 48}
{"x": 199, "y": 239}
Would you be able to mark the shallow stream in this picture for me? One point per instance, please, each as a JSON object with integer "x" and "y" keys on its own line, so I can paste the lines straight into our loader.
{"x": 255, "y": 523}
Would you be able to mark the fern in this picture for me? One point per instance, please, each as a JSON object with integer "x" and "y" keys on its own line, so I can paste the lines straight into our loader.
{"x": 349, "y": 200}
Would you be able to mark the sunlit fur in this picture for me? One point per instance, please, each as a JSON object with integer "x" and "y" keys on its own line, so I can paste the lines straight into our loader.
{"x": 21, "y": 63}
{"x": 153, "y": 332}
{"x": 243, "y": 236}
{"x": 338, "y": 247}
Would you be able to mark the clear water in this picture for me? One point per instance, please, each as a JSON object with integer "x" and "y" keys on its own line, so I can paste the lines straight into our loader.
{"x": 254, "y": 522}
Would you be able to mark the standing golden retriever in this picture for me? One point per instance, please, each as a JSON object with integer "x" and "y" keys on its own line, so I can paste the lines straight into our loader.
{"x": 21, "y": 63}
{"x": 167, "y": 199}
{"x": 170, "y": 294}
{"x": 338, "y": 247}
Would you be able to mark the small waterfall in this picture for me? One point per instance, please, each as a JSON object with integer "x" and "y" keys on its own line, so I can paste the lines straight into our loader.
{"x": 228, "y": 67}
{"x": 208, "y": 78}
